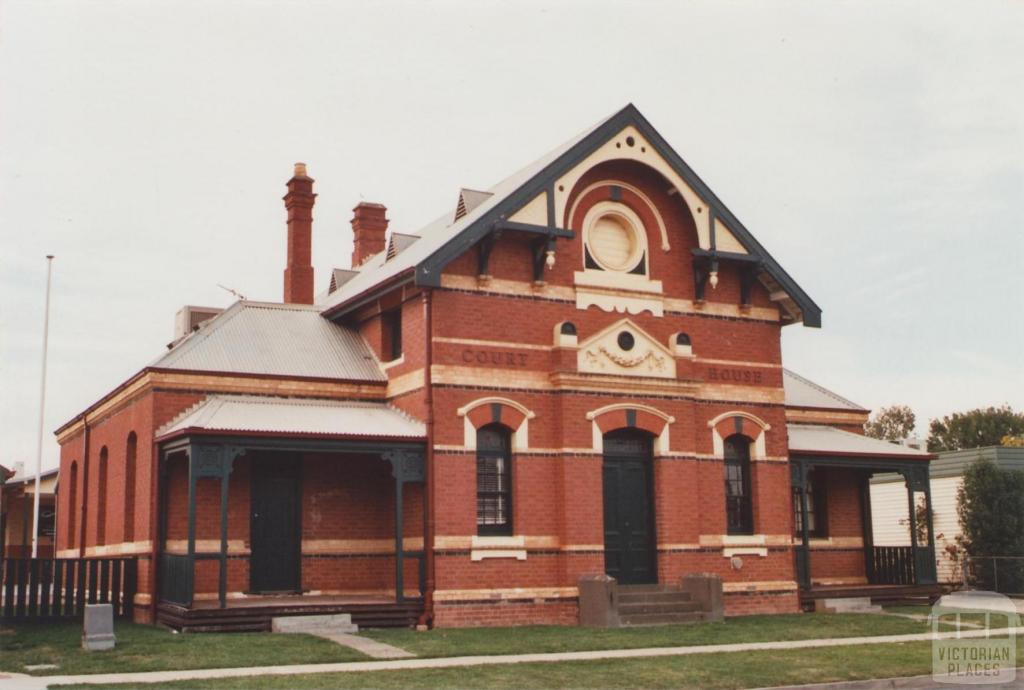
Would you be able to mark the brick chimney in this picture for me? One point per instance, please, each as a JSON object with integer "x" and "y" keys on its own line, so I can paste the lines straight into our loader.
{"x": 368, "y": 227}
{"x": 298, "y": 273}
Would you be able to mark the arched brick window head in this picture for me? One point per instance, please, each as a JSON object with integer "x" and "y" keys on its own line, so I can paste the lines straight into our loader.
{"x": 738, "y": 500}
{"x": 129, "y": 488}
{"x": 493, "y": 480}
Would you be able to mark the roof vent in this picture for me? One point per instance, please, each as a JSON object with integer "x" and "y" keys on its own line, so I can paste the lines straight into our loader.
{"x": 189, "y": 318}
{"x": 398, "y": 242}
{"x": 469, "y": 199}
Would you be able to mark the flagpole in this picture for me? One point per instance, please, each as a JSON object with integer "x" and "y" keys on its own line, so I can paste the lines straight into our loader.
{"x": 42, "y": 409}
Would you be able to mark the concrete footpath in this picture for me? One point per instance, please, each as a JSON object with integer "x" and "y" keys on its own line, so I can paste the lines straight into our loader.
{"x": 23, "y": 682}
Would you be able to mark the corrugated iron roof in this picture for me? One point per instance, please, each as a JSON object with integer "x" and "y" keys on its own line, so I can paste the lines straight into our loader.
{"x": 274, "y": 339}
{"x": 435, "y": 235}
{"x": 295, "y": 416}
{"x": 801, "y": 392}
{"x": 827, "y": 439}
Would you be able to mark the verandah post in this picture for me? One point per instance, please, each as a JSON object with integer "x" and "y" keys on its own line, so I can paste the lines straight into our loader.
{"x": 191, "y": 551}
{"x": 399, "y": 541}
{"x": 798, "y": 479}
{"x": 913, "y": 528}
{"x": 222, "y": 585}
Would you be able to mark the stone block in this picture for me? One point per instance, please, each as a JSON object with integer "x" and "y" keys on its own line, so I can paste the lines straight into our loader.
{"x": 98, "y": 627}
{"x": 599, "y": 605}
{"x": 706, "y": 590}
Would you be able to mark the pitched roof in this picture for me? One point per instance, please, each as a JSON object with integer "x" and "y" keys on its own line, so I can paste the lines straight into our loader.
{"x": 825, "y": 440}
{"x": 801, "y": 392}
{"x": 274, "y": 339}
{"x": 441, "y": 232}
{"x": 294, "y": 416}
{"x": 451, "y": 234}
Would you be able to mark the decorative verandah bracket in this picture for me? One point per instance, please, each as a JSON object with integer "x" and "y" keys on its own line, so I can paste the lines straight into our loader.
{"x": 214, "y": 461}
{"x": 406, "y": 466}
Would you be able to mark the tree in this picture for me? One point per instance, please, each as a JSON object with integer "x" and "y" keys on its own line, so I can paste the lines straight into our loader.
{"x": 1013, "y": 441}
{"x": 990, "y": 504}
{"x": 893, "y": 423}
{"x": 974, "y": 428}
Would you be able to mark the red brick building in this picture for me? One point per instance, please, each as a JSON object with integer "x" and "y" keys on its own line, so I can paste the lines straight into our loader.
{"x": 576, "y": 371}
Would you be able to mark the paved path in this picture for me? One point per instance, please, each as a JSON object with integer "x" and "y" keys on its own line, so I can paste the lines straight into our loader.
{"x": 910, "y": 683}
{"x": 366, "y": 645}
{"x": 22, "y": 682}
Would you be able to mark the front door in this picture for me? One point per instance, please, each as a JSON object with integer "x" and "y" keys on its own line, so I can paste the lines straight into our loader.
{"x": 276, "y": 530}
{"x": 628, "y": 509}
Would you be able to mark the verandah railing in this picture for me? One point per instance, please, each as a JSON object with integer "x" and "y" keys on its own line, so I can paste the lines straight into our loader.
{"x": 892, "y": 565}
{"x": 44, "y": 588}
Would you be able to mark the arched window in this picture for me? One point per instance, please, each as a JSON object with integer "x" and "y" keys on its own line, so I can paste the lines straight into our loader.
{"x": 738, "y": 509}
{"x": 129, "y": 488}
{"x": 72, "y": 503}
{"x": 101, "y": 500}
{"x": 493, "y": 480}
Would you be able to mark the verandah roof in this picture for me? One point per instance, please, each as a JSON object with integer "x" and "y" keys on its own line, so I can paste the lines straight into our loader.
{"x": 812, "y": 439}
{"x": 240, "y": 414}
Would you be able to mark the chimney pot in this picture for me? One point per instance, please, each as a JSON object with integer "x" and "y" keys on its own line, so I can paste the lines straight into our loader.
{"x": 300, "y": 170}
{"x": 369, "y": 226}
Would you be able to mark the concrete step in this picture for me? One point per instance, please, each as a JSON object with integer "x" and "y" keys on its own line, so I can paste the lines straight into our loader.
{"x": 847, "y": 605}
{"x": 650, "y": 588}
{"x": 635, "y": 619}
{"x": 653, "y": 597}
{"x": 336, "y": 623}
{"x": 672, "y": 607}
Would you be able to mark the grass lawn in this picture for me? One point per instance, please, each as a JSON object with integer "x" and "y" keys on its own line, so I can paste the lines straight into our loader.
{"x": 146, "y": 648}
{"x": 996, "y": 620}
{"x": 480, "y": 641}
{"x": 736, "y": 670}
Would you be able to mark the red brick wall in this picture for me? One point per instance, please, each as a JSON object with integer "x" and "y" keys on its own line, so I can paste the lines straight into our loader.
{"x": 347, "y": 521}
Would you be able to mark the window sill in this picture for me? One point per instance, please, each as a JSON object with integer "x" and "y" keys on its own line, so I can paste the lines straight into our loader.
{"x": 745, "y": 551}
{"x": 393, "y": 362}
{"x": 483, "y": 547}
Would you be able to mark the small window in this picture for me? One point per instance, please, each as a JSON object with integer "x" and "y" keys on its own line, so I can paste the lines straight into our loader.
{"x": 817, "y": 511}
{"x": 47, "y": 522}
{"x": 391, "y": 331}
{"x": 493, "y": 480}
{"x": 738, "y": 506}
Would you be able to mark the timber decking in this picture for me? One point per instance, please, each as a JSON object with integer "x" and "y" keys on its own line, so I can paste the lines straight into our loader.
{"x": 254, "y": 614}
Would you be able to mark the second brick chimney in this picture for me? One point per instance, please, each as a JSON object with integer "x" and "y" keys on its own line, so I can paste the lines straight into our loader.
{"x": 298, "y": 272}
{"x": 369, "y": 226}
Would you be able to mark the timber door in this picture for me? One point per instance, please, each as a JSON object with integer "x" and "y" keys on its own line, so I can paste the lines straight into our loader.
{"x": 275, "y": 527}
{"x": 629, "y": 554}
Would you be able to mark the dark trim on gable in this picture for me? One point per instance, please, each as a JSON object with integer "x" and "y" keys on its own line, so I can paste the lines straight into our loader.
{"x": 428, "y": 272}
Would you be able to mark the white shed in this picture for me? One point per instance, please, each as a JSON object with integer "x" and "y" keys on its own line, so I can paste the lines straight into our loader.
{"x": 889, "y": 508}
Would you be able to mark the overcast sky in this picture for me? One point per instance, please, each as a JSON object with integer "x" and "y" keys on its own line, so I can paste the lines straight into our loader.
{"x": 876, "y": 149}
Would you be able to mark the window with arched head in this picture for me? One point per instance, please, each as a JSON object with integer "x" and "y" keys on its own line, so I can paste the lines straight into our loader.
{"x": 493, "y": 480}
{"x": 101, "y": 500}
{"x": 129, "y": 487}
{"x": 738, "y": 501}
{"x": 72, "y": 503}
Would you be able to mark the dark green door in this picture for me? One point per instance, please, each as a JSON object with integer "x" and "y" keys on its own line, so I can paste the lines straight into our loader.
{"x": 628, "y": 509}
{"x": 275, "y": 528}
